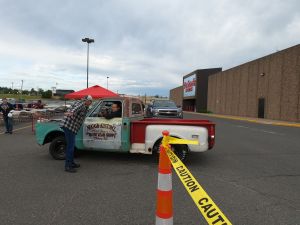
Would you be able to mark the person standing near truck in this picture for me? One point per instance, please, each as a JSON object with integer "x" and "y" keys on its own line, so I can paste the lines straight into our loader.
{"x": 5, "y": 108}
{"x": 71, "y": 124}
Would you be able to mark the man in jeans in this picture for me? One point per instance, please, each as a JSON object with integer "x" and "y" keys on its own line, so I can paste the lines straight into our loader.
{"x": 71, "y": 124}
{"x": 6, "y": 108}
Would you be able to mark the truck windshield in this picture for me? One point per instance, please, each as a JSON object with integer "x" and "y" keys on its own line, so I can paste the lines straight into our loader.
{"x": 164, "y": 104}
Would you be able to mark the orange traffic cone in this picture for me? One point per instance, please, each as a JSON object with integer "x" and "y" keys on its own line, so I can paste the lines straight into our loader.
{"x": 164, "y": 207}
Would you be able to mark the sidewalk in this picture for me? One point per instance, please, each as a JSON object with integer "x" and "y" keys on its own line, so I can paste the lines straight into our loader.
{"x": 251, "y": 119}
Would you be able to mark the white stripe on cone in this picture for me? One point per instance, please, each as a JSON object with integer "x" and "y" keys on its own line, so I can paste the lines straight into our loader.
{"x": 160, "y": 221}
{"x": 164, "y": 182}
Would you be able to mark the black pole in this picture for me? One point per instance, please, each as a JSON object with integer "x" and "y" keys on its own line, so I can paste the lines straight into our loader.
{"x": 87, "y": 67}
{"x": 88, "y": 41}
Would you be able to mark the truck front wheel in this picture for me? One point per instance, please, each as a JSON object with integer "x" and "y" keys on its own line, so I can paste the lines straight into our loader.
{"x": 57, "y": 148}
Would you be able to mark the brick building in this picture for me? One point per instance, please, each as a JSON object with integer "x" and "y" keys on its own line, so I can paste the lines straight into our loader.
{"x": 192, "y": 95}
{"x": 268, "y": 87}
{"x": 176, "y": 94}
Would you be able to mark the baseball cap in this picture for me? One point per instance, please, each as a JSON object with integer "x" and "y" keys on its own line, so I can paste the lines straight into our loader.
{"x": 88, "y": 97}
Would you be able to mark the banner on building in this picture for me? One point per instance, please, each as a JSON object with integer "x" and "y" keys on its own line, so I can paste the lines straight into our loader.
{"x": 189, "y": 86}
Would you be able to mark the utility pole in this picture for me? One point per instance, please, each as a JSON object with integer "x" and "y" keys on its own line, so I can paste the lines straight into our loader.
{"x": 53, "y": 90}
{"x": 22, "y": 87}
{"x": 12, "y": 85}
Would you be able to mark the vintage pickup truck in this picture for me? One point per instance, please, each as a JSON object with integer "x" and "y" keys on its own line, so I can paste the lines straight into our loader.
{"x": 130, "y": 133}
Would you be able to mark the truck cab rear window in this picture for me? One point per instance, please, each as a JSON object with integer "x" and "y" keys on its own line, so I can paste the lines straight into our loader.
{"x": 136, "y": 109}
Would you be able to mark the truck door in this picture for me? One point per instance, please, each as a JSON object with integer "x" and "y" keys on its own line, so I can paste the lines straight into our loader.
{"x": 102, "y": 129}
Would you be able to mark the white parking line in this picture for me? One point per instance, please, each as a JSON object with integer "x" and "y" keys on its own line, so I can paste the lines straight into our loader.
{"x": 241, "y": 126}
{"x": 269, "y": 132}
{"x": 21, "y": 128}
{"x": 259, "y": 130}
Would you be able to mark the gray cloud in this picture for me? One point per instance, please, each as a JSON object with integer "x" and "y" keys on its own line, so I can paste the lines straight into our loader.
{"x": 143, "y": 47}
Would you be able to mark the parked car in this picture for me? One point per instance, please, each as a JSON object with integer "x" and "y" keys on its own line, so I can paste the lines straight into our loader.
{"x": 130, "y": 133}
{"x": 164, "y": 109}
{"x": 10, "y": 100}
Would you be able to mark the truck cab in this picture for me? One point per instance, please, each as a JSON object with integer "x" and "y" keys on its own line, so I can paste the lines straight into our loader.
{"x": 111, "y": 134}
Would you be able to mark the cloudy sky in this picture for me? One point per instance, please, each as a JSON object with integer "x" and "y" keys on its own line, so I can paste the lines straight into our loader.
{"x": 145, "y": 47}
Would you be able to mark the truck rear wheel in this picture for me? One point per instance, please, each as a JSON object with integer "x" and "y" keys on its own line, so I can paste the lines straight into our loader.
{"x": 181, "y": 151}
{"x": 57, "y": 148}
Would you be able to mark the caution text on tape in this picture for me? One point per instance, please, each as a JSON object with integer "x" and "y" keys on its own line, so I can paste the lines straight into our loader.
{"x": 205, "y": 204}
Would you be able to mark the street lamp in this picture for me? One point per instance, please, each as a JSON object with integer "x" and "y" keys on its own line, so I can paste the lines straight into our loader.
{"x": 22, "y": 87}
{"x": 88, "y": 41}
{"x": 107, "y": 83}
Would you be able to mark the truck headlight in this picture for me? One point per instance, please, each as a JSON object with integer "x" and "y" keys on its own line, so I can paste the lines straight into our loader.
{"x": 155, "y": 112}
{"x": 179, "y": 112}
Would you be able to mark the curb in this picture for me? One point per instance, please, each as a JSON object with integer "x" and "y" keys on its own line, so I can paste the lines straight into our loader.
{"x": 268, "y": 122}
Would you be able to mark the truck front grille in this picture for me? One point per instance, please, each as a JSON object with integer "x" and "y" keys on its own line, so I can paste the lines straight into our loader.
{"x": 168, "y": 112}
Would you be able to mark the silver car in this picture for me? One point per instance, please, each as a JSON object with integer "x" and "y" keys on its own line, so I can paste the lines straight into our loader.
{"x": 163, "y": 108}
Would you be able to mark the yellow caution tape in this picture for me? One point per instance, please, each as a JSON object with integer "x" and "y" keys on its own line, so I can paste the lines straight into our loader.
{"x": 205, "y": 204}
{"x": 173, "y": 140}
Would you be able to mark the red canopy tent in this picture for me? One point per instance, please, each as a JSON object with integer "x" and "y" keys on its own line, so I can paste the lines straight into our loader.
{"x": 94, "y": 91}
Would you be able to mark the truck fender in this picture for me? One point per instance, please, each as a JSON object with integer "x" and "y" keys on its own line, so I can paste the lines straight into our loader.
{"x": 51, "y": 135}
{"x": 154, "y": 133}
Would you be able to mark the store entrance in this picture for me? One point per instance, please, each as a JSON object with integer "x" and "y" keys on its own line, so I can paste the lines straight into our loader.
{"x": 189, "y": 105}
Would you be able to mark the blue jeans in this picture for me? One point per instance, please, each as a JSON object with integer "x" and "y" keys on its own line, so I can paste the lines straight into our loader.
{"x": 70, "y": 139}
{"x": 8, "y": 124}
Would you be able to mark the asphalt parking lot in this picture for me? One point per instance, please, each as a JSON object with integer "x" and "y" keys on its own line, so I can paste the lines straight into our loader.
{"x": 252, "y": 174}
{"x": 36, "y": 190}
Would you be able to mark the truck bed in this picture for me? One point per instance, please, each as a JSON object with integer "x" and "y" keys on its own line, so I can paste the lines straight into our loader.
{"x": 138, "y": 127}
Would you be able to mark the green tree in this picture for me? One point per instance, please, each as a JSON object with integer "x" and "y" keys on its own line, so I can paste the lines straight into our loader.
{"x": 25, "y": 92}
{"x": 47, "y": 94}
{"x": 32, "y": 91}
{"x": 40, "y": 91}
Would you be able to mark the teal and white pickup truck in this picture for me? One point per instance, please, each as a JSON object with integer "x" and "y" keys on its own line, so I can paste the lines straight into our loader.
{"x": 130, "y": 133}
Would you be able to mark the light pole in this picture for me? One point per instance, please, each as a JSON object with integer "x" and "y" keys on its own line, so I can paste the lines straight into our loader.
{"x": 22, "y": 87}
{"x": 88, "y": 41}
{"x": 107, "y": 83}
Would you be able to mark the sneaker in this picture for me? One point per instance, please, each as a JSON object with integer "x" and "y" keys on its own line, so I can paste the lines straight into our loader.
{"x": 70, "y": 169}
{"x": 75, "y": 165}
